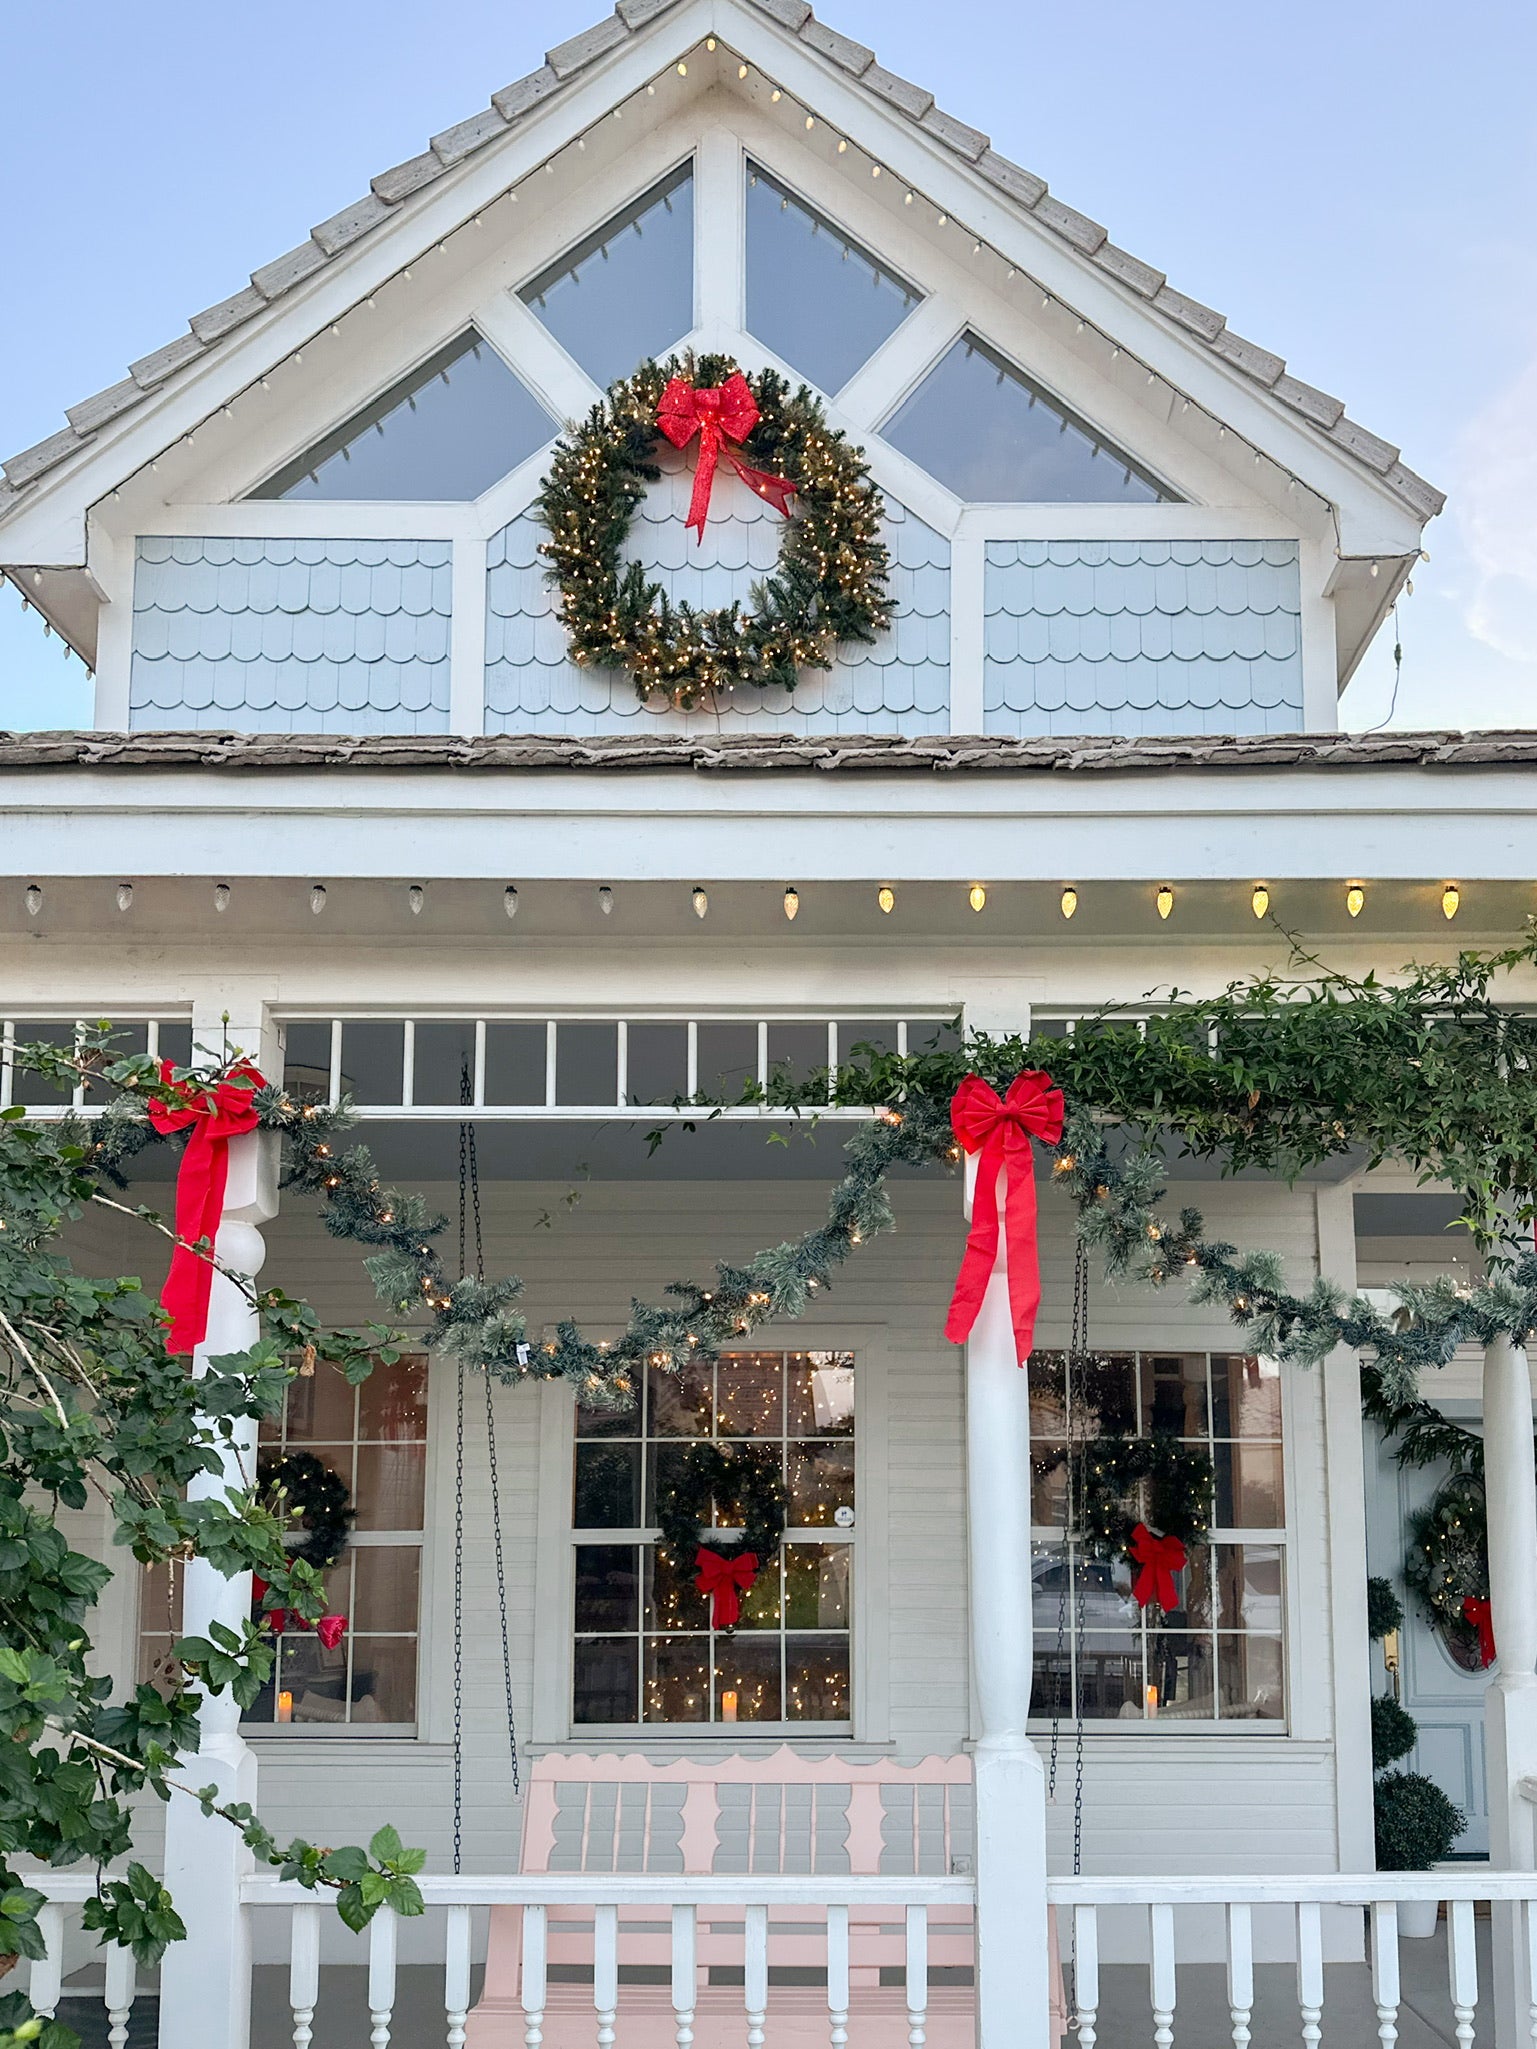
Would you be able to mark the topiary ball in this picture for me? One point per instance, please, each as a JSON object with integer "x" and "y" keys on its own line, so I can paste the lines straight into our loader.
{"x": 1394, "y": 1731}
{"x": 1384, "y": 1610}
{"x": 1416, "y": 1823}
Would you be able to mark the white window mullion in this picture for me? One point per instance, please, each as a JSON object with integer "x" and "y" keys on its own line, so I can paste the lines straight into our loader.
{"x": 719, "y": 291}
{"x": 467, "y": 638}
{"x": 968, "y": 578}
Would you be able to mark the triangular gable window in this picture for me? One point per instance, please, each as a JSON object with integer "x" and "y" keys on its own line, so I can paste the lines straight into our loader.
{"x": 820, "y": 301}
{"x": 460, "y": 421}
{"x": 627, "y": 292}
{"x": 980, "y": 426}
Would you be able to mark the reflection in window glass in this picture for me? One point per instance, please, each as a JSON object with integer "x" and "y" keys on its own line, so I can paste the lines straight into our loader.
{"x": 645, "y": 1650}
{"x": 1219, "y": 1656}
{"x": 627, "y": 292}
{"x": 819, "y": 300}
{"x": 980, "y": 426}
{"x": 448, "y": 431}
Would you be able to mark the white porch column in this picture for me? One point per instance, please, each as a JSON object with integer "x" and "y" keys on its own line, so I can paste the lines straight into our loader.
{"x": 205, "y": 1982}
{"x": 1013, "y": 1982}
{"x": 1510, "y": 1705}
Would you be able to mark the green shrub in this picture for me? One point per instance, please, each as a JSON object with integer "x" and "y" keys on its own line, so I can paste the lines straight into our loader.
{"x": 1384, "y": 1610}
{"x": 1393, "y": 1731}
{"x": 1416, "y": 1823}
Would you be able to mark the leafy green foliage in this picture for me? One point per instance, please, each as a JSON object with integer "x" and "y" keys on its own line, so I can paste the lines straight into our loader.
{"x": 1394, "y": 1731}
{"x": 1416, "y": 1823}
{"x": 1384, "y": 1610}
{"x": 93, "y": 1407}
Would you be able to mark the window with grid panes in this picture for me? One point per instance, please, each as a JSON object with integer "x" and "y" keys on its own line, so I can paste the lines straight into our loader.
{"x": 644, "y": 1650}
{"x": 1220, "y": 1656}
{"x": 375, "y": 1438}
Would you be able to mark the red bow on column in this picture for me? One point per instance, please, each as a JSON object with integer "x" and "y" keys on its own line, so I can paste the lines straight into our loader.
{"x": 215, "y": 1116}
{"x": 1160, "y": 1558}
{"x": 719, "y": 414}
{"x": 724, "y": 1581}
{"x": 1000, "y": 1129}
{"x": 1477, "y": 1611}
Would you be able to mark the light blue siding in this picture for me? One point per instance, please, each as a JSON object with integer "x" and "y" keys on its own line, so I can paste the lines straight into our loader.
{"x": 1134, "y": 637}
{"x": 298, "y": 636}
{"x": 902, "y": 684}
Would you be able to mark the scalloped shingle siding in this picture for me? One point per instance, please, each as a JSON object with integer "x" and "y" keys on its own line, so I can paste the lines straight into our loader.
{"x": 902, "y": 683}
{"x": 1142, "y": 637}
{"x": 300, "y": 636}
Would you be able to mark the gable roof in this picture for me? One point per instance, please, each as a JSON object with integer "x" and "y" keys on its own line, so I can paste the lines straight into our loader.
{"x": 330, "y": 239}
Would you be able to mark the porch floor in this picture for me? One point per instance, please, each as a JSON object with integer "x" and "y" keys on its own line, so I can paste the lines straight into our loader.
{"x": 1201, "y": 2019}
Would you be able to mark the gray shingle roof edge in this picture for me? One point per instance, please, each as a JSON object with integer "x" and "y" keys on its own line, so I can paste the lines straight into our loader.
{"x": 392, "y": 188}
{"x": 781, "y": 753}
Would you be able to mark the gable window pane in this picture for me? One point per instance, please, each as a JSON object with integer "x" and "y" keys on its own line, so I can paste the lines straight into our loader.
{"x": 449, "y": 431}
{"x": 980, "y": 426}
{"x": 820, "y": 301}
{"x": 627, "y": 292}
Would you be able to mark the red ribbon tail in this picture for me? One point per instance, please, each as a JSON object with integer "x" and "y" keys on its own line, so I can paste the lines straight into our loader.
{"x": 776, "y": 491}
{"x": 981, "y": 1253}
{"x": 1024, "y": 1251}
{"x": 199, "y": 1203}
{"x": 704, "y": 478}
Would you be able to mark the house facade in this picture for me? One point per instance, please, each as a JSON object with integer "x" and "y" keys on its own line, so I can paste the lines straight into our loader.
{"x": 352, "y": 806}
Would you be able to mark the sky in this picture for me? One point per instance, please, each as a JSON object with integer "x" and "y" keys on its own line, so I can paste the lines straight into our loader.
{"x": 1352, "y": 182}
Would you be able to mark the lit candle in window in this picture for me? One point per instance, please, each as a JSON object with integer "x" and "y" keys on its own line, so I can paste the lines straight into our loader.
{"x": 1152, "y": 1703}
{"x": 285, "y": 1707}
{"x": 728, "y": 1707}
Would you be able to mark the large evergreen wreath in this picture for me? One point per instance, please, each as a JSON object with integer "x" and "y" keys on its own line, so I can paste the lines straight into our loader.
{"x": 298, "y": 1485}
{"x": 830, "y": 581}
{"x": 741, "y": 1481}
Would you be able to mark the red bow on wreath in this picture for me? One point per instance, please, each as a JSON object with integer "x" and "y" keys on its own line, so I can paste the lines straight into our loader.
{"x": 1160, "y": 1558}
{"x": 216, "y": 1116}
{"x": 1000, "y": 1129}
{"x": 1477, "y": 1611}
{"x": 719, "y": 414}
{"x": 724, "y": 1581}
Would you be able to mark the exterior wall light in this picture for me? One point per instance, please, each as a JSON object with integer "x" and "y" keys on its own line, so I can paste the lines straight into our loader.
{"x": 1069, "y": 902}
{"x": 1165, "y": 901}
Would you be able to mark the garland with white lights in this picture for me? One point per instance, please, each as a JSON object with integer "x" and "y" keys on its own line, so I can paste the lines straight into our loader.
{"x": 830, "y": 583}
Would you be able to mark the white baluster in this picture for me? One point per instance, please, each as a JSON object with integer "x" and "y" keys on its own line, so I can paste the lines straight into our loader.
{"x": 1086, "y": 1974}
{"x": 456, "y": 1973}
{"x": 1462, "y": 1964}
{"x": 838, "y": 1976}
{"x": 685, "y": 1947}
{"x": 119, "y": 1994}
{"x": 1240, "y": 1972}
{"x": 605, "y": 1972}
{"x": 917, "y": 1977}
{"x": 303, "y": 1972}
{"x": 382, "y": 1930}
{"x": 755, "y": 1974}
{"x": 1386, "y": 1990}
{"x": 1162, "y": 1973}
{"x": 47, "y": 1977}
{"x": 536, "y": 1950}
{"x": 1310, "y": 1970}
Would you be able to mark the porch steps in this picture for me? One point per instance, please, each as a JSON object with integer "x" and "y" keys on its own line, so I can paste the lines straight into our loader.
{"x": 797, "y": 2019}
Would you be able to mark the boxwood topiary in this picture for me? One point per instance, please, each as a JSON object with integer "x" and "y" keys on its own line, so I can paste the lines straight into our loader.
{"x": 1394, "y": 1730}
{"x": 1384, "y": 1610}
{"x": 1416, "y": 1823}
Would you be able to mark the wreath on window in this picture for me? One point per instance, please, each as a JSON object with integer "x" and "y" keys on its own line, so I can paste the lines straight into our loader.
{"x": 1171, "y": 1484}
{"x": 297, "y": 1484}
{"x": 830, "y": 583}
{"x": 745, "y": 1481}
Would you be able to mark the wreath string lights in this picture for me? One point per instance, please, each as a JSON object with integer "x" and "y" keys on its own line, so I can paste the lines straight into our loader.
{"x": 830, "y": 583}
{"x": 740, "y": 1480}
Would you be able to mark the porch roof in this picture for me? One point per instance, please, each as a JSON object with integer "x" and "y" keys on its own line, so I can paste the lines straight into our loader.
{"x": 772, "y": 752}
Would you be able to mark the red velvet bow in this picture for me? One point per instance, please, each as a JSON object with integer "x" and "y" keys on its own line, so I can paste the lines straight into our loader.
{"x": 1477, "y": 1611}
{"x": 216, "y": 1116}
{"x": 1000, "y": 1129}
{"x": 724, "y": 1581}
{"x": 719, "y": 414}
{"x": 1160, "y": 1558}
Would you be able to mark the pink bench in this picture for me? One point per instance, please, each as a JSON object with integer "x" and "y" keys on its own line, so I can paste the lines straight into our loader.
{"x": 782, "y": 1815}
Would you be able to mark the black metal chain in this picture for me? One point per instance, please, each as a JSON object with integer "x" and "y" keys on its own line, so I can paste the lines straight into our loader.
{"x": 459, "y": 1630}
{"x": 1078, "y": 1352}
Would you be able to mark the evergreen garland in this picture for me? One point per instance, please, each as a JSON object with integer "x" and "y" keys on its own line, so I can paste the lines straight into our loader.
{"x": 830, "y": 584}
{"x": 741, "y": 1479}
{"x": 302, "y": 1487}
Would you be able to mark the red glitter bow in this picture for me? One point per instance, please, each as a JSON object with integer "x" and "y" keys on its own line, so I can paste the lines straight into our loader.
{"x": 719, "y": 414}
{"x": 1000, "y": 1129}
{"x": 1477, "y": 1611}
{"x": 215, "y": 1116}
{"x": 1160, "y": 1558}
{"x": 724, "y": 1581}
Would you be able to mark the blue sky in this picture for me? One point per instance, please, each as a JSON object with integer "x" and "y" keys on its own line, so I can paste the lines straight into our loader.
{"x": 1353, "y": 182}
